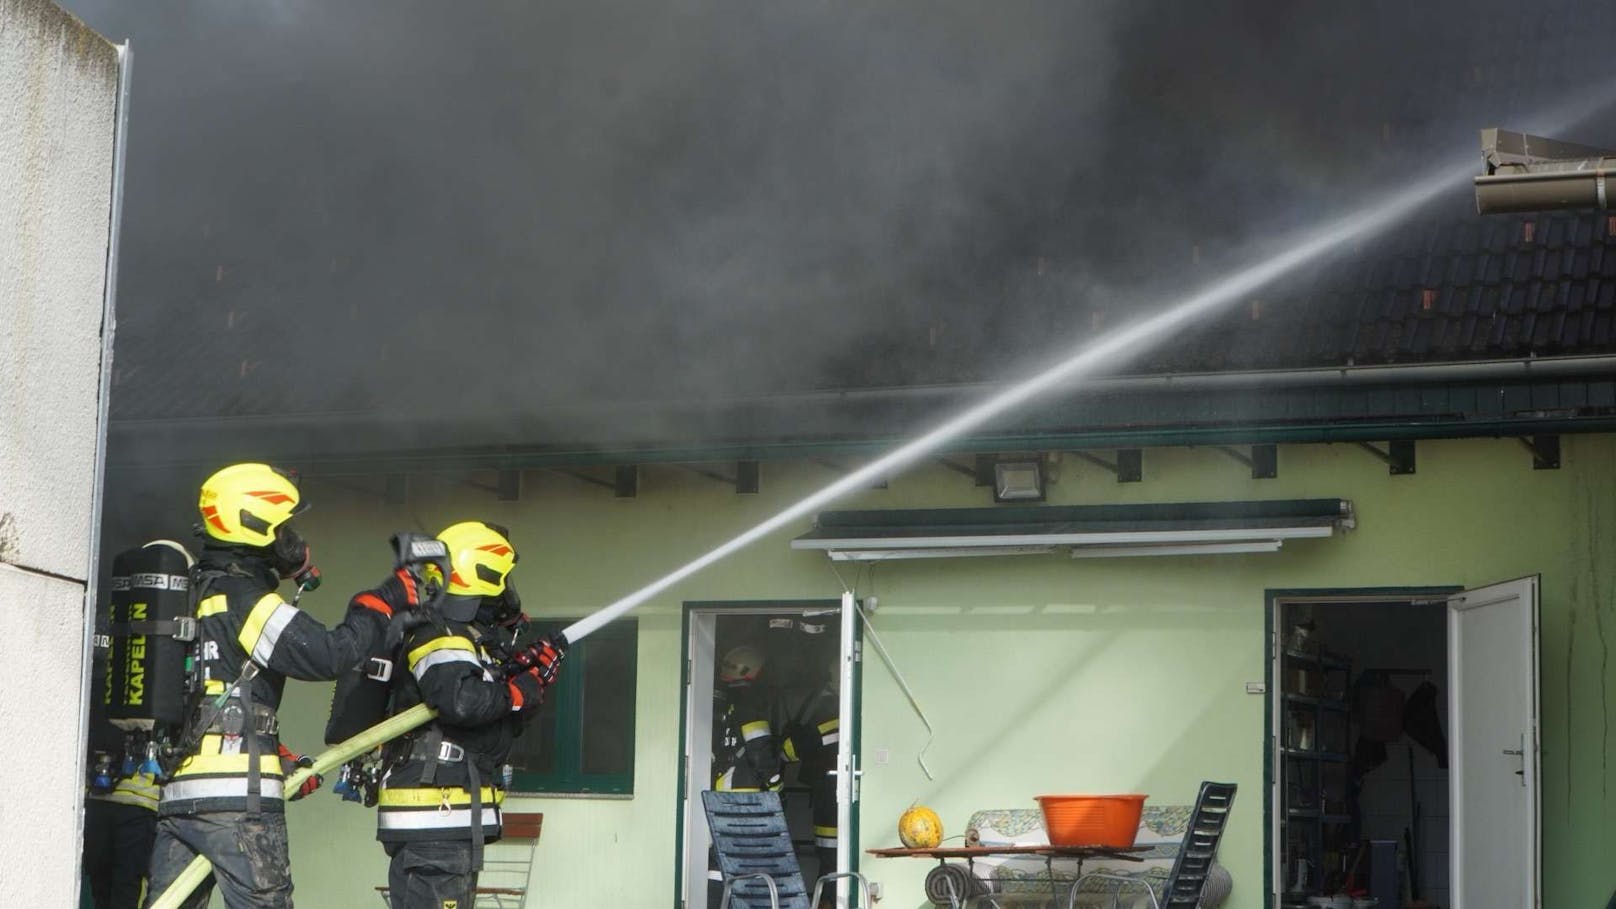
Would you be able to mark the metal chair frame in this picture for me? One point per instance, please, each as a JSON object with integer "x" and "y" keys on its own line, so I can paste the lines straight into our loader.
{"x": 752, "y": 825}
{"x": 518, "y": 826}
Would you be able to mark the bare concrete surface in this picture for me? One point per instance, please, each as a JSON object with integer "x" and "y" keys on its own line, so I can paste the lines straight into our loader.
{"x": 58, "y": 96}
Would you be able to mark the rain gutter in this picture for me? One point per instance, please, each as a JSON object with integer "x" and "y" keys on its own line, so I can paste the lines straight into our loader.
{"x": 575, "y": 452}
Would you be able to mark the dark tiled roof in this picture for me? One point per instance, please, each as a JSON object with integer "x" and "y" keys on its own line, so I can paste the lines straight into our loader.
{"x": 1434, "y": 291}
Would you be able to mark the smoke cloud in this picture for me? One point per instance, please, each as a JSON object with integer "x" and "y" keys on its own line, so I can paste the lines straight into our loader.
{"x": 424, "y": 207}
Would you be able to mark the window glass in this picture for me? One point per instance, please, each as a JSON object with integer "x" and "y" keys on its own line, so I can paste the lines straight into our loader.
{"x": 583, "y": 738}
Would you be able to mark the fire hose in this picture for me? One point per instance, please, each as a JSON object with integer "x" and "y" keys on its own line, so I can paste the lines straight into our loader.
{"x": 341, "y": 753}
{"x": 324, "y": 762}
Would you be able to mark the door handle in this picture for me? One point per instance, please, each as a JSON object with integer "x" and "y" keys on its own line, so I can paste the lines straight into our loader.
{"x": 1520, "y": 753}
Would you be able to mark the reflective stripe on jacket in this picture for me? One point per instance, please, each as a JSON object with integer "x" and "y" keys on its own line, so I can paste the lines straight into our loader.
{"x": 451, "y": 672}
{"x": 241, "y": 619}
{"x": 745, "y": 750}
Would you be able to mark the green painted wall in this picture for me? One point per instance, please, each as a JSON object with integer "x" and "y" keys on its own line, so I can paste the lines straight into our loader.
{"x": 1040, "y": 674}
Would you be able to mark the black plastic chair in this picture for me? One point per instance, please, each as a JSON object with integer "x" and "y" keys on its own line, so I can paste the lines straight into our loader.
{"x": 755, "y": 853}
{"x": 1187, "y": 880}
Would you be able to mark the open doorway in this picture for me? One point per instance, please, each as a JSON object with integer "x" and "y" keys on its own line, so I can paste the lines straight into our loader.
{"x": 779, "y": 666}
{"x": 1359, "y": 715}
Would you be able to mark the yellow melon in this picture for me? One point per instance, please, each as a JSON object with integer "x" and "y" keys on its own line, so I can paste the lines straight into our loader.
{"x": 920, "y": 828}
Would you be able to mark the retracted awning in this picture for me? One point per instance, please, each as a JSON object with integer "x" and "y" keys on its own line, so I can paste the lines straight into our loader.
{"x": 1090, "y": 531}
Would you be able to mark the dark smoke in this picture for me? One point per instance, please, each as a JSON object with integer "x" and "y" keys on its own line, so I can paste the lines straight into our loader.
{"x": 485, "y": 208}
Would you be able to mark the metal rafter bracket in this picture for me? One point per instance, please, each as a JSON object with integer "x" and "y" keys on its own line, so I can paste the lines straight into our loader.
{"x": 1129, "y": 466}
{"x": 1399, "y": 456}
{"x": 747, "y": 478}
{"x": 1545, "y": 451}
{"x": 984, "y": 469}
{"x": 626, "y": 481}
{"x": 508, "y": 486}
{"x": 1263, "y": 460}
{"x": 396, "y": 489}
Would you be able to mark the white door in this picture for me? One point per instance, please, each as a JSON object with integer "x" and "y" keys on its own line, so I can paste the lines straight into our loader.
{"x": 697, "y": 757}
{"x": 1493, "y": 707}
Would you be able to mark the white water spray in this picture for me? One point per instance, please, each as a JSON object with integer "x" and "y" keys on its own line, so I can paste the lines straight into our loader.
{"x": 1125, "y": 342}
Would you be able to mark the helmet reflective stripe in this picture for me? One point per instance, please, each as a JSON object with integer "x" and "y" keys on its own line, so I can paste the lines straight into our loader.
{"x": 219, "y": 788}
{"x": 244, "y": 503}
{"x": 262, "y": 630}
{"x": 432, "y": 819}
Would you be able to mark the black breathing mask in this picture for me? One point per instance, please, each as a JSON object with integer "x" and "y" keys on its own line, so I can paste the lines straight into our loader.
{"x": 503, "y": 610}
{"x": 291, "y": 558}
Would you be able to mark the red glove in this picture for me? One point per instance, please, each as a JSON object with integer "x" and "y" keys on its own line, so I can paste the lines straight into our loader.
{"x": 535, "y": 667}
{"x": 399, "y": 592}
{"x": 291, "y": 760}
{"x": 542, "y": 657}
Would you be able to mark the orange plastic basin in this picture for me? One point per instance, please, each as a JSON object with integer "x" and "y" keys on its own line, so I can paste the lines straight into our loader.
{"x": 1092, "y": 820}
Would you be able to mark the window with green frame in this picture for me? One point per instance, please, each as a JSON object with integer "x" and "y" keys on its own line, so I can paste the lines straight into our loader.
{"x": 583, "y": 738}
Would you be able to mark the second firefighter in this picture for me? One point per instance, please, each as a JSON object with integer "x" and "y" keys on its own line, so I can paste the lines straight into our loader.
{"x": 442, "y": 789}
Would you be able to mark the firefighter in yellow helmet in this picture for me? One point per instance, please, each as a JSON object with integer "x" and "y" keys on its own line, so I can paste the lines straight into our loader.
{"x": 223, "y": 797}
{"x": 442, "y": 788}
{"x": 746, "y": 755}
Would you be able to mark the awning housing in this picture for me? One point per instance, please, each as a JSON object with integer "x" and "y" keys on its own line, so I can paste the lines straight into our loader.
{"x": 1090, "y": 531}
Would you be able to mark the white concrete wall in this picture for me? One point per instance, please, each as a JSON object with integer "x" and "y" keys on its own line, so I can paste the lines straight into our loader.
{"x": 58, "y": 94}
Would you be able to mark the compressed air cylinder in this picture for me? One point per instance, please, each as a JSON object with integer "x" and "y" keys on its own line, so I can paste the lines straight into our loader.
{"x": 361, "y": 697}
{"x": 146, "y": 659}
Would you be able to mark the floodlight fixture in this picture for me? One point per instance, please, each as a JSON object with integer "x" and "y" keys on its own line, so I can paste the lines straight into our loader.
{"x": 1018, "y": 480}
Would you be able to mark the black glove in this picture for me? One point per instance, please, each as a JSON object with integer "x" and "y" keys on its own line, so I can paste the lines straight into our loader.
{"x": 398, "y": 593}
{"x": 527, "y": 691}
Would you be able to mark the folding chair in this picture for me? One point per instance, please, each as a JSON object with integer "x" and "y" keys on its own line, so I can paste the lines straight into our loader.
{"x": 507, "y": 864}
{"x": 755, "y": 854}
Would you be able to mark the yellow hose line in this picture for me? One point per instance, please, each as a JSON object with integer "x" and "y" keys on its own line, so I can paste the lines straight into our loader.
{"x": 324, "y": 762}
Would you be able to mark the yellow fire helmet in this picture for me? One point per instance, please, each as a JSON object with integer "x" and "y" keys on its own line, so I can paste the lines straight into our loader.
{"x": 244, "y": 503}
{"x": 480, "y": 556}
